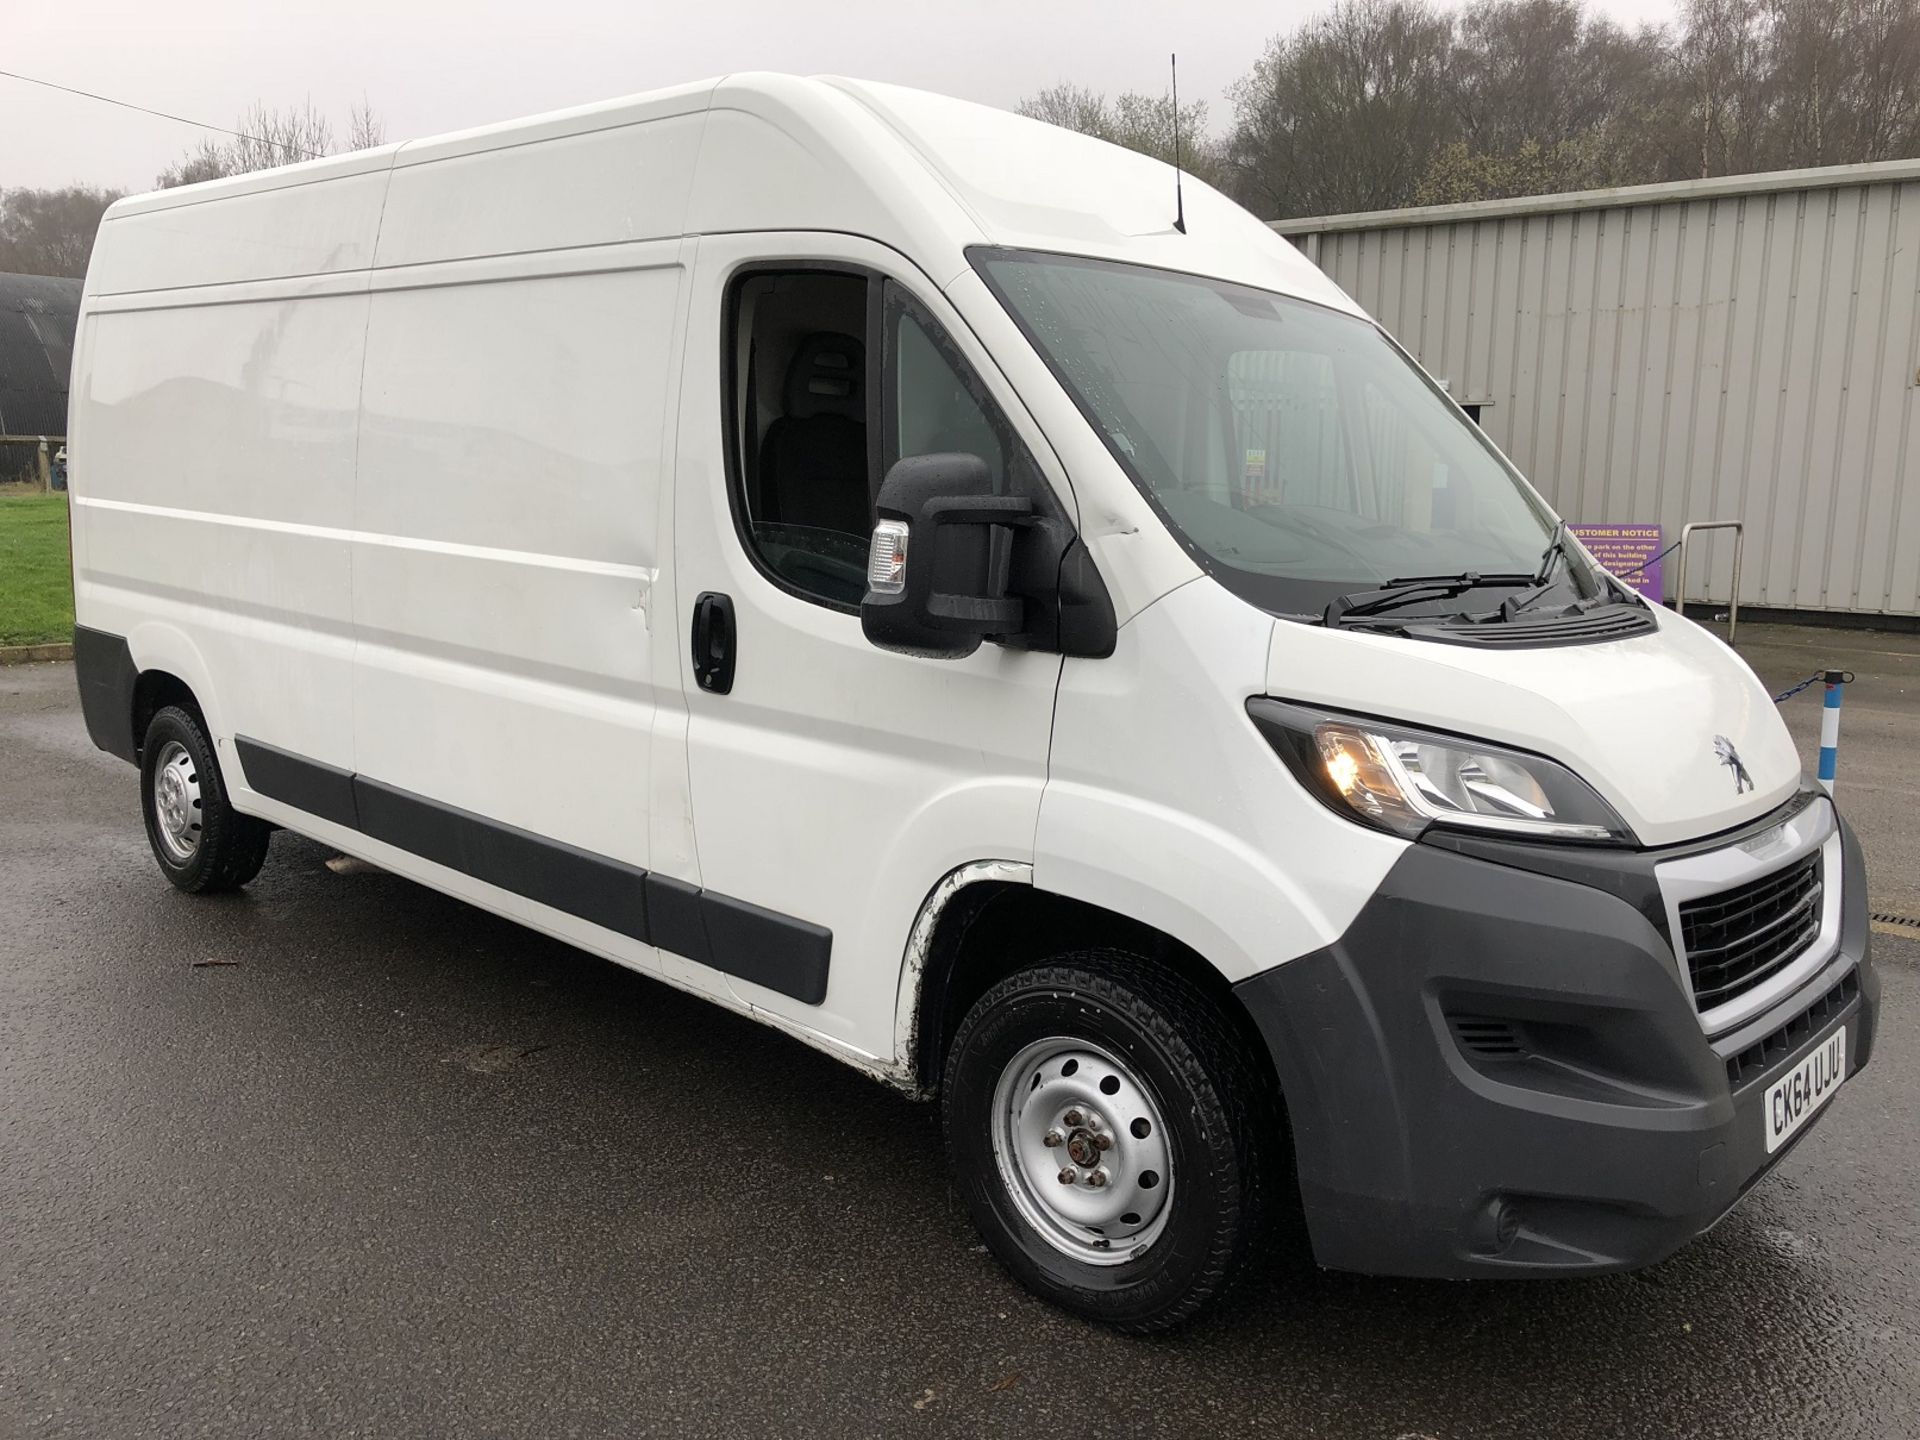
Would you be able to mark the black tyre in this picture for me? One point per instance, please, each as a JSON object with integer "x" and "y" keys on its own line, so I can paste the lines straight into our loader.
{"x": 202, "y": 843}
{"x": 1109, "y": 1134}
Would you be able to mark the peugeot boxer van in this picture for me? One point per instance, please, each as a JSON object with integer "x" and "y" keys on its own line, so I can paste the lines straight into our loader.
{"x": 943, "y": 587}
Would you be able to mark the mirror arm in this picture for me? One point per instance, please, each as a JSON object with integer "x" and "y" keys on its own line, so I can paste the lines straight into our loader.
{"x": 996, "y": 613}
{"x": 1016, "y": 510}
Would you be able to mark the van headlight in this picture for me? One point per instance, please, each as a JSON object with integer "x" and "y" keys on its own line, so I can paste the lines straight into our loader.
{"x": 1402, "y": 780}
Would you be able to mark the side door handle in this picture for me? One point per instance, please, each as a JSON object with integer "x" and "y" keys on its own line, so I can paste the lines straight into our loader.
{"x": 713, "y": 642}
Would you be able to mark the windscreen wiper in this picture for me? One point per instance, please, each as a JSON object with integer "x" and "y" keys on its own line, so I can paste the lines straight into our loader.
{"x": 1407, "y": 589}
{"x": 1558, "y": 552}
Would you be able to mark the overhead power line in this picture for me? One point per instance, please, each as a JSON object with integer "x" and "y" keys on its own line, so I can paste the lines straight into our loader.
{"x": 164, "y": 115}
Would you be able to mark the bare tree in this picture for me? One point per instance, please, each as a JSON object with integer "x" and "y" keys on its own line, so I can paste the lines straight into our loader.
{"x": 1885, "y": 35}
{"x": 1548, "y": 97}
{"x": 1347, "y": 112}
{"x": 1722, "y": 66}
{"x": 1844, "y": 80}
{"x": 1377, "y": 103}
{"x": 1137, "y": 121}
{"x": 365, "y": 129}
{"x": 50, "y": 232}
{"x": 1544, "y": 71}
{"x": 1071, "y": 107}
{"x": 269, "y": 137}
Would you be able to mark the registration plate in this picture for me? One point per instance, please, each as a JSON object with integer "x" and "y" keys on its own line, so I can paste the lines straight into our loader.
{"x": 1804, "y": 1089}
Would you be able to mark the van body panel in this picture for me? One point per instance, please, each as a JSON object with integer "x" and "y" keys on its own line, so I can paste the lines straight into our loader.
{"x": 1163, "y": 802}
{"x": 837, "y": 783}
{"x": 1637, "y": 719}
{"x": 779, "y": 154}
{"x": 596, "y": 116}
{"x": 319, "y": 218}
{"x": 505, "y": 549}
{"x": 218, "y": 444}
{"x": 555, "y": 191}
{"x": 1028, "y": 184}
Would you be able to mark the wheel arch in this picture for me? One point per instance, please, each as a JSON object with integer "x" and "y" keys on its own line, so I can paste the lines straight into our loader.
{"x": 170, "y": 670}
{"x": 984, "y": 921}
{"x": 154, "y": 691}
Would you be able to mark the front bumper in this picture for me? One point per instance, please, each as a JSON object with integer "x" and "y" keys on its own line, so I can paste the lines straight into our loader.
{"x": 1499, "y": 1070}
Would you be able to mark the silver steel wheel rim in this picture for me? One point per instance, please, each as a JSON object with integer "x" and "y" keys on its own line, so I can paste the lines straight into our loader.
{"x": 176, "y": 802}
{"x": 1065, "y": 1110}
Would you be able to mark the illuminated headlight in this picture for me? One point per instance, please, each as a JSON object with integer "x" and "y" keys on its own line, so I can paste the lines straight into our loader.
{"x": 1404, "y": 780}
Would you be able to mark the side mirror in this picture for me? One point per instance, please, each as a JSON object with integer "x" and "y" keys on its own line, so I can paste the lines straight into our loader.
{"x": 938, "y": 564}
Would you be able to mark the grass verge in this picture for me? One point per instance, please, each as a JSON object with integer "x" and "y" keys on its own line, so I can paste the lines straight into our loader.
{"x": 36, "y": 582}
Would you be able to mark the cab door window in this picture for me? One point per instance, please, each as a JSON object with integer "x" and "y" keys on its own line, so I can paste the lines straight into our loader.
{"x": 804, "y": 428}
{"x": 933, "y": 402}
{"x": 934, "y": 410}
{"x": 833, "y": 376}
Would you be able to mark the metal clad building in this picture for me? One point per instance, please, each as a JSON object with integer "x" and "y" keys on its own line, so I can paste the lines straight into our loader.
{"x": 1742, "y": 348}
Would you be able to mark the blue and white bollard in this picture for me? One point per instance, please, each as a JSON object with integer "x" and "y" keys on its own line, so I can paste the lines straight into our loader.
{"x": 1836, "y": 681}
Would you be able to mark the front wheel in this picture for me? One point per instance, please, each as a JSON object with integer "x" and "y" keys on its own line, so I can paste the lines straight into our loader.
{"x": 202, "y": 843}
{"x": 1107, "y": 1131}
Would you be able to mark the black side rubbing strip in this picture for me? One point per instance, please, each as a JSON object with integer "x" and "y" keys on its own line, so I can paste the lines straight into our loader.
{"x": 768, "y": 948}
{"x": 606, "y": 892}
{"x": 323, "y": 790}
{"x": 676, "y": 914}
{"x": 104, "y": 666}
{"x": 755, "y": 944}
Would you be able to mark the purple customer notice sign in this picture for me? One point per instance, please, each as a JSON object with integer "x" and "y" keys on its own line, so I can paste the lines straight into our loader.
{"x": 1621, "y": 548}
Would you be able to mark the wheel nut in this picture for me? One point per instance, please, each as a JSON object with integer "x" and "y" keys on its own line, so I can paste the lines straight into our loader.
{"x": 1073, "y": 1117}
{"x": 1053, "y": 1139}
{"x": 1097, "y": 1179}
{"x": 1068, "y": 1175}
{"x": 1105, "y": 1142}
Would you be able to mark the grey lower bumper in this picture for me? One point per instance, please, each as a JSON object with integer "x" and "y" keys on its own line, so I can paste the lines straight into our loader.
{"x": 1498, "y": 1071}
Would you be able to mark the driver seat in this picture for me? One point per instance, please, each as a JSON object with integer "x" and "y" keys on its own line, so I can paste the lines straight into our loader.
{"x": 813, "y": 459}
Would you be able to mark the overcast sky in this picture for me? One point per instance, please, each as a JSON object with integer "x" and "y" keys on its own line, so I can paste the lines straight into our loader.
{"x": 434, "y": 65}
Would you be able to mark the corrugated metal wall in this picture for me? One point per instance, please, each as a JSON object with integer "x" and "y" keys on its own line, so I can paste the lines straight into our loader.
{"x": 1735, "y": 356}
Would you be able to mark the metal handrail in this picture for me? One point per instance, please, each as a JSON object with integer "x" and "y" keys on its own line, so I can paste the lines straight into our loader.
{"x": 1680, "y": 581}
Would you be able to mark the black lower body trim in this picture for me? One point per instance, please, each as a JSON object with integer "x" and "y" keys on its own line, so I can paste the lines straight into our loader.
{"x": 608, "y": 893}
{"x": 756, "y": 945}
{"x": 104, "y": 667}
{"x": 765, "y": 947}
{"x": 323, "y": 790}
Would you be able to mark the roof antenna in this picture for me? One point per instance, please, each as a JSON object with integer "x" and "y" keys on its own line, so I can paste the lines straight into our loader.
{"x": 1179, "y": 201}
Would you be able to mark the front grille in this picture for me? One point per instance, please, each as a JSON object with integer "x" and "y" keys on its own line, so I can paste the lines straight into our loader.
{"x": 1734, "y": 940}
{"x": 1765, "y": 1053}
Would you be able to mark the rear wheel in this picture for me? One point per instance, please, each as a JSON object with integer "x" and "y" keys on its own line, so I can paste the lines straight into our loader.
{"x": 202, "y": 843}
{"x": 1108, "y": 1132}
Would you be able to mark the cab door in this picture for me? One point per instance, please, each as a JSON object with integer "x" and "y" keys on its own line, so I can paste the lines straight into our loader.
{"x": 832, "y": 783}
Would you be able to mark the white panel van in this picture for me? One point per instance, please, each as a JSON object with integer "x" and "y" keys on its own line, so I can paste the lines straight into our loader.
{"x": 851, "y": 554}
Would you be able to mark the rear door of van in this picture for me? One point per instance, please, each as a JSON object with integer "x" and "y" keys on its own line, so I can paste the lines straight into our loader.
{"x": 833, "y": 784}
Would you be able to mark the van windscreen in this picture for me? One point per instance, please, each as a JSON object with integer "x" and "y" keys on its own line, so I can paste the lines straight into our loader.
{"x": 1295, "y": 450}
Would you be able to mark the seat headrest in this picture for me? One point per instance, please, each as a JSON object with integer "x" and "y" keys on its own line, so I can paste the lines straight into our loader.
{"x": 827, "y": 377}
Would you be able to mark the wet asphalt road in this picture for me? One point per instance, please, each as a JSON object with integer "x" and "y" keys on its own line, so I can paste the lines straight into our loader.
{"x": 393, "y": 1167}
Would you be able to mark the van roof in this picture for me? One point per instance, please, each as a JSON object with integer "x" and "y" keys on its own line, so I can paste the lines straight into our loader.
{"x": 925, "y": 173}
